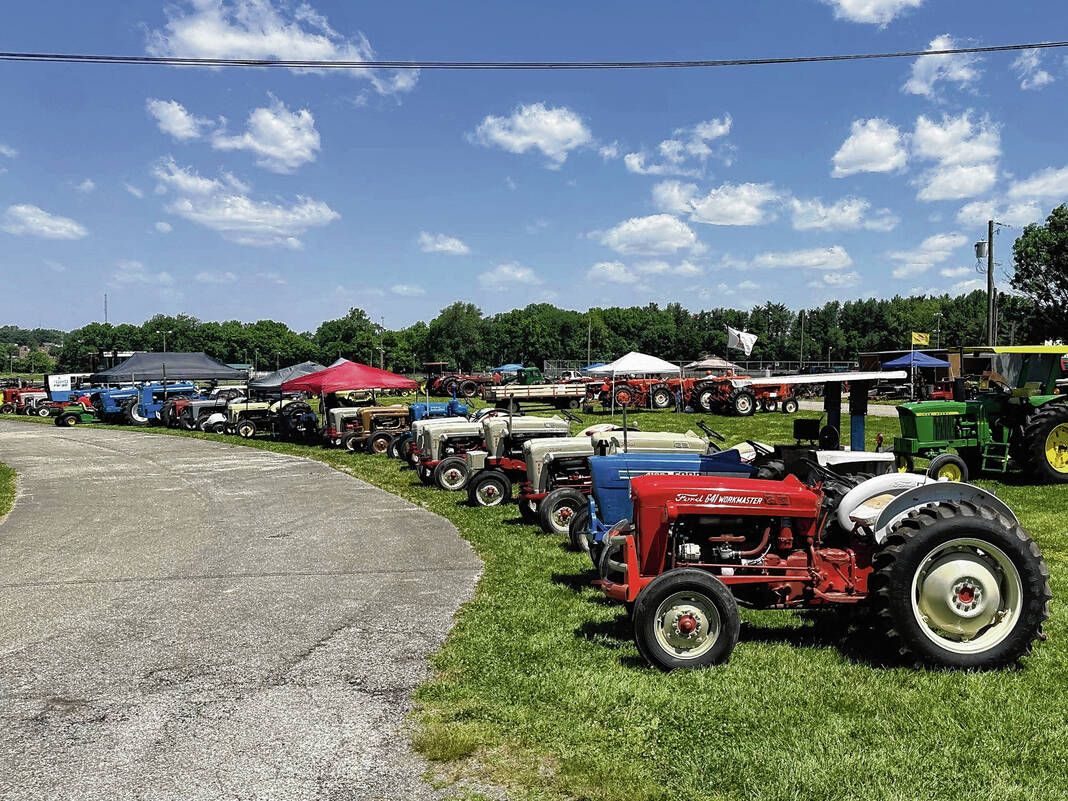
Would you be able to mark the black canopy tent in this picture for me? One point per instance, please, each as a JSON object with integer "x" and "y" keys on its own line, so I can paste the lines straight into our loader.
{"x": 167, "y": 367}
{"x": 273, "y": 382}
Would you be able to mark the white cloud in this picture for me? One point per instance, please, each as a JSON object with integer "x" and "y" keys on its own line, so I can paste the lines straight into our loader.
{"x": 164, "y": 227}
{"x": 25, "y": 219}
{"x": 215, "y": 278}
{"x": 1028, "y": 68}
{"x": 873, "y": 145}
{"x": 654, "y": 235}
{"x": 609, "y": 151}
{"x": 748, "y": 286}
{"x": 174, "y": 120}
{"x": 736, "y": 204}
{"x": 872, "y": 12}
{"x": 223, "y": 205}
{"x": 932, "y": 251}
{"x": 956, "y": 140}
{"x": 850, "y": 213}
{"x": 929, "y": 71}
{"x": 441, "y": 243}
{"x": 407, "y": 290}
{"x": 955, "y": 272}
{"x": 272, "y": 277}
{"x": 674, "y": 197}
{"x": 506, "y": 275}
{"x": 835, "y": 280}
{"x": 553, "y": 131}
{"x": 281, "y": 139}
{"x": 957, "y": 181}
{"x": 615, "y": 272}
{"x": 964, "y": 287}
{"x": 687, "y": 151}
{"x": 257, "y": 29}
{"x": 134, "y": 272}
{"x": 133, "y": 190}
{"x": 86, "y": 187}
{"x": 1047, "y": 184}
{"x": 1018, "y": 214}
{"x": 7, "y": 151}
{"x": 832, "y": 258}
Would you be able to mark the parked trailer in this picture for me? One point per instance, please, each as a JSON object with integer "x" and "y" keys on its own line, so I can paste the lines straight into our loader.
{"x": 559, "y": 396}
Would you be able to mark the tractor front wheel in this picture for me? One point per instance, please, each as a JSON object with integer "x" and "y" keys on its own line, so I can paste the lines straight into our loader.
{"x": 379, "y": 443}
{"x": 768, "y": 404}
{"x": 7, "y": 408}
{"x": 743, "y": 402}
{"x": 904, "y": 463}
{"x": 948, "y": 466}
{"x": 246, "y": 429}
{"x": 661, "y": 397}
{"x": 528, "y": 510}
{"x": 577, "y": 530}
{"x": 67, "y": 420}
{"x": 1046, "y": 443}
{"x": 789, "y": 406}
{"x": 451, "y": 473}
{"x": 133, "y": 414}
{"x": 686, "y": 618}
{"x": 558, "y": 508}
{"x": 218, "y": 428}
{"x": 489, "y": 488}
{"x": 957, "y": 585}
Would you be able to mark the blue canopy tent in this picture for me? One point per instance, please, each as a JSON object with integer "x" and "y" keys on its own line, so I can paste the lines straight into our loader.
{"x": 914, "y": 359}
{"x": 507, "y": 368}
{"x": 592, "y": 366}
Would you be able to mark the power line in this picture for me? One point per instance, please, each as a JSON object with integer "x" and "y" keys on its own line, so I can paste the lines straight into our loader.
{"x": 318, "y": 64}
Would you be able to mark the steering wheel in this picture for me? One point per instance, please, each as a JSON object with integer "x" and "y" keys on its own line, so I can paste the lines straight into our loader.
{"x": 760, "y": 448}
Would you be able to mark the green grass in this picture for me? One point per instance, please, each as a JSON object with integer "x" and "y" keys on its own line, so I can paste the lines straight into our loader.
{"x": 539, "y": 687}
{"x": 7, "y": 489}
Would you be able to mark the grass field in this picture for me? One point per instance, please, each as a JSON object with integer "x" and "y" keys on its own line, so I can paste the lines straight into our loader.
{"x": 7, "y": 489}
{"x": 539, "y": 687}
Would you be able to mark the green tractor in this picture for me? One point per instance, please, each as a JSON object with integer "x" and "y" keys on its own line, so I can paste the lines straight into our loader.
{"x": 71, "y": 414}
{"x": 1016, "y": 422}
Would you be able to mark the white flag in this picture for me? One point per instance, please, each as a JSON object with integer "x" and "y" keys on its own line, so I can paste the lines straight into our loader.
{"x": 741, "y": 340}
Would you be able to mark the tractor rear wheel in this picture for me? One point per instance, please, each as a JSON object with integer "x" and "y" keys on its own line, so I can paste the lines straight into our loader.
{"x": 68, "y": 420}
{"x": 704, "y": 398}
{"x": 558, "y": 508}
{"x": 948, "y": 466}
{"x": 577, "y": 528}
{"x": 246, "y": 429}
{"x": 742, "y": 402}
{"x": 41, "y": 411}
{"x": 351, "y": 442}
{"x": 686, "y": 618}
{"x": 451, "y": 473}
{"x": 661, "y": 397}
{"x": 624, "y": 396}
{"x": 958, "y": 585}
{"x": 489, "y": 488}
{"x": 7, "y": 408}
{"x": 1045, "y": 439}
{"x": 379, "y": 443}
{"x": 468, "y": 389}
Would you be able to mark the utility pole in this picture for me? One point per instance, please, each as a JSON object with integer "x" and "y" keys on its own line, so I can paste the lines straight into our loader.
{"x": 991, "y": 326}
{"x": 589, "y": 337}
{"x": 801, "y": 365}
{"x": 105, "y": 308}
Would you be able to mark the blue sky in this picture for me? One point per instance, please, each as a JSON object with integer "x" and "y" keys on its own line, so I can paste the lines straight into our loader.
{"x": 255, "y": 194}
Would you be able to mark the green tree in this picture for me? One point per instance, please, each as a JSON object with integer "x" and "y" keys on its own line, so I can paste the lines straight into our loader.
{"x": 1040, "y": 256}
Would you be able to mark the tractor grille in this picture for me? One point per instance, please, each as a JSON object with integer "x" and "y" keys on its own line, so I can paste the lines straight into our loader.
{"x": 908, "y": 424}
{"x": 945, "y": 427}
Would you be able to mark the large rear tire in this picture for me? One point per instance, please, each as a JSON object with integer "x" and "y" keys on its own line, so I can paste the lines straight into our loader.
{"x": 743, "y": 402}
{"x": 7, "y": 408}
{"x": 661, "y": 397}
{"x": 686, "y": 618}
{"x": 133, "y": 414}
{"x": 558, "y": 508}
{"x": 704, "y": 398}
{"x": 1045, "y": 451}
{"x": 957, "y": 585}
{"x": 624, "y": 396}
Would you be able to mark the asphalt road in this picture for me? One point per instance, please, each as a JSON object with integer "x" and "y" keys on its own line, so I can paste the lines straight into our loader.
{"x": 187, "y": 620}
{"x": 874, "y": 409}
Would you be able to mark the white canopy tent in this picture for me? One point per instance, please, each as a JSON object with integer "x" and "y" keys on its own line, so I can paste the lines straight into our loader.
{"x": 635, "y": 363}
{"x": 712, "y": 363}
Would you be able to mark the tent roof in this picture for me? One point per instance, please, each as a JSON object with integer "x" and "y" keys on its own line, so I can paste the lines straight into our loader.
{"x": 635, "y": 363}
{"x": 589, "y": 367}
{"x": 916, "y": 359}
{"x": 507, "y": 368}
{"x": 339, "y": 361}
{"x": 711, "y": 363}
{"x": 276, "y": 379}
{"x": 176, "y": 366}
{"x": 350, "y": 375}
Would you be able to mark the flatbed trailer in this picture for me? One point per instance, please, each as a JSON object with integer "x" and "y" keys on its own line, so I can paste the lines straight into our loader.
{"x": 558, "y": 396}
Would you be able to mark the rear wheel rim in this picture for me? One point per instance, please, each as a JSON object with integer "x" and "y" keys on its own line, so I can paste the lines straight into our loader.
{"x": 950, "y": 471}
{"x": 1057, "y": 448}
{"x": 687, "y": 625}
{"x": 967, "y": 595}
{"x": 744, "y": 405}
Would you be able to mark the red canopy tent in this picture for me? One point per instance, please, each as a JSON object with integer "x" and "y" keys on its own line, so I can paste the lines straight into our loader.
{"x": 350, "y": 375}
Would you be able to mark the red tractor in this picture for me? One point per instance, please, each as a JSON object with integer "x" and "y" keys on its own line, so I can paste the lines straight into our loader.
{"x": 735, "y": 394}
{"x": 446, "y": 383}
{"x": 943, "y": 569}
{"x": 637, "y": 393}
{"x": 25, "y": 400}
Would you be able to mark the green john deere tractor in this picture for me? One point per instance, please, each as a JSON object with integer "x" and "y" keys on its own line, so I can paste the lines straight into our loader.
{"x": 1017, "y": 422}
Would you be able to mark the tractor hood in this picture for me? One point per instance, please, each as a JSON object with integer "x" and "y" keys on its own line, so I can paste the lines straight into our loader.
{"x": 432, "y": 435}
{"x": 539, "y": 452}
{"x": 648, "y": 442}
{"x": 497, "y": 429}
{"x": 932, "y": 408}
{"x": 335, "y": 417}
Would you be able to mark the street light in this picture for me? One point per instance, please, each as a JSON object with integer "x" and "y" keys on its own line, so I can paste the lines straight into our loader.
{"x": 164, "y": 338}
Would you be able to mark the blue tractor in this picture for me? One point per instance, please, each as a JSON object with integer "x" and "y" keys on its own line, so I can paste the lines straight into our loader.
{"x": 609, "y": 500}
{"x": 397, "y": 448}
{"x": 142, "y": 405}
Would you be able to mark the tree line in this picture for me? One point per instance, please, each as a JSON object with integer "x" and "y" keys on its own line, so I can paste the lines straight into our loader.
{"x": 466, "y": 338}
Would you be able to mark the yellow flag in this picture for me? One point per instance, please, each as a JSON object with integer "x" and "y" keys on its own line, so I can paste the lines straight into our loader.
{"x": 920, "y": 339}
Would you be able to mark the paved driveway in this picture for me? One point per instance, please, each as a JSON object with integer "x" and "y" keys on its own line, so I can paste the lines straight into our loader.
{"x": 182, "y": 619}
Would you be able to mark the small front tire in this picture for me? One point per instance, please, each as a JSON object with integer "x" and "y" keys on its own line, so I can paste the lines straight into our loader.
{"x": 450, "y": 474}
{"x": 558, "y": 508}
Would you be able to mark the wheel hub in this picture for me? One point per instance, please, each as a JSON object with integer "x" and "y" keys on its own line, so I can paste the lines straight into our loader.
{"x": 687, "y": 625}
{"x": 959, "y": 595}
{"x": 1057, "y": 448}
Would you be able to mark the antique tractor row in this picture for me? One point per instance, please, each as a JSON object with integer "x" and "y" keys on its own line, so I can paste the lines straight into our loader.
{"x": 712, "y": 395}
{"x": 24, "y": 400}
